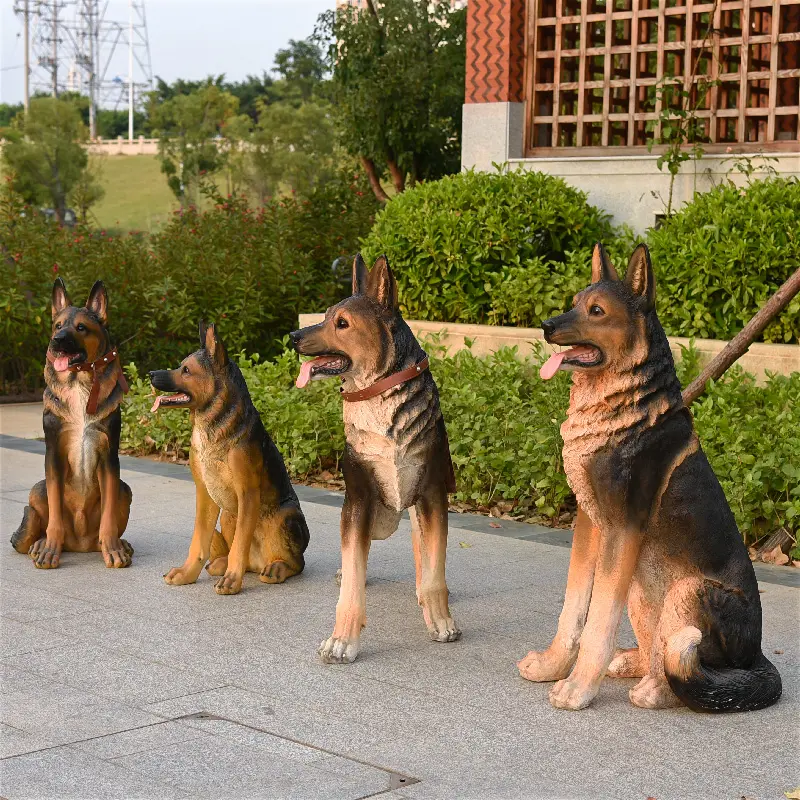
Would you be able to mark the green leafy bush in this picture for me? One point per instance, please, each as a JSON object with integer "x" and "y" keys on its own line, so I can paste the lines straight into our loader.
{"x": 452, "y": 242}
{"x": 253, "y": 270}
{"x": 503, "y": 423}
{"x": 721, "y": 257}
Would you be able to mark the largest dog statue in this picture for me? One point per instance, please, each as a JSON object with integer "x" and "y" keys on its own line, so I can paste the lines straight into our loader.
{"x": 81, "y": 505}
{"x": 396, "y": 453}
{"x": 654, "y": 526}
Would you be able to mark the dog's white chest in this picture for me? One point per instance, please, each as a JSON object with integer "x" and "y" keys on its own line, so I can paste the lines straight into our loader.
{"x": 396, "y": 473}
{"x": 215, "y": 473}
{"x": 83, "y": 449}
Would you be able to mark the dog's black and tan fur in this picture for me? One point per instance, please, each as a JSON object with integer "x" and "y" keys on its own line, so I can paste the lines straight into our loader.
{"x": 396, "y": 453}
{"x": 239, "y": 475}
{"x": 81, "y": 505}
{"x": 654, "y": 527}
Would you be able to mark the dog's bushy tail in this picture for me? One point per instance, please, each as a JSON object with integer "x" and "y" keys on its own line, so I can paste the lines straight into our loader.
{"x": 714, "y": 690}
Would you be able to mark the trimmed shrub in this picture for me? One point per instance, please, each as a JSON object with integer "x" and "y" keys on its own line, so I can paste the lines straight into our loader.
{"x": 451, "y": 242}
{"x": 253, "y": 270}
{"x": 721, "y": 257}
{"x": 511, "y": 449}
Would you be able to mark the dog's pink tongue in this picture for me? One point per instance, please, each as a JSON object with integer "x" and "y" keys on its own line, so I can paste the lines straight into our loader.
{"x": 157, "y": 403}
{"x": 61, "y": 363}
{"x": 305, "y": 371}
{"x": 550, "y": 367}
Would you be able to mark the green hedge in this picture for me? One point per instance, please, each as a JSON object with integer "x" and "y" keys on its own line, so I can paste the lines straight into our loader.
{"x": 454, "y": 242}
{"x": 251, "y": 270}
{"x": 722, "y": 256}
{"x": 511, "y": 449}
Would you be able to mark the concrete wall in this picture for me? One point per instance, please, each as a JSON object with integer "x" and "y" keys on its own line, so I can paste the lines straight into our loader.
{"x": 122, "y": 147}
{"x": 632, "y": 188}
{"x": 759, "y": 359}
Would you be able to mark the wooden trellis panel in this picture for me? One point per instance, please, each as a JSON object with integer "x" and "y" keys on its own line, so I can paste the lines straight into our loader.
{"x": 595, "y": 68}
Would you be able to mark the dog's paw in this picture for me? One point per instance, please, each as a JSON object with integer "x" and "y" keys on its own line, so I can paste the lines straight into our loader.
{"x": 572, "y": 695}
{"x": 626, "y": 664}
{"x": 180, "y": 576}
{"x": 276, "y": 572}
{"x": 544, "y": 666}
{"x": 229, "y": 583}
{"x": 217, "y": 567}
{"x": 338, "y": 651}
{"x": 444, "y": 630}
{"x": 653, "y": 693}
{"x": 45, "y": 555}
{"x": 117, "y": 554}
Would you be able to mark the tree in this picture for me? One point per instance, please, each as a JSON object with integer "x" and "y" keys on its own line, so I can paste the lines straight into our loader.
{"x": 290, "y": 148}
{"x": 88, "y": 189}
{"x": 190, "y": 128}
{"x": 398, "y": 86}
{"x": 302, "y": 68}
{"x": 45, "y": 154}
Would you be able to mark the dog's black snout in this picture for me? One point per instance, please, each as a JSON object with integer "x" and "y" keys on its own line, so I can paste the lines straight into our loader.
{"x": 161, "y": 379}
{"x": 296, "y": 337}
{"x": 549, "y": 328}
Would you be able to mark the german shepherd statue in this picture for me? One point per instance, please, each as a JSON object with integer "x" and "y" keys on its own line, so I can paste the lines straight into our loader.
{"x": 239, "y": 475}
{"x": 653, "y": 527}
{"x": 82, "y": 505}
{"x": 396, "y": 453}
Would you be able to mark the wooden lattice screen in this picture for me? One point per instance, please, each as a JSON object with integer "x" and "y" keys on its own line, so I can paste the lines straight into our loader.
{"x": 594, "y": 69}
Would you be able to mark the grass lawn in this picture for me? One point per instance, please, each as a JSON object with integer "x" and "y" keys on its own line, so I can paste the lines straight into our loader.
{"x": 137, "y": 196}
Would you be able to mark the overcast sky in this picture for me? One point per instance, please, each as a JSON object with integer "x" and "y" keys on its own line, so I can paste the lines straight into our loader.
{"x": 188, "y": 38}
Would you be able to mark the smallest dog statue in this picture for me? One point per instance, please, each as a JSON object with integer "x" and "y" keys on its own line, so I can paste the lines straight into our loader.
{"x": 237, "y": 470}
{"x": 653, "y": 528}
{"x": 82, "y": 505}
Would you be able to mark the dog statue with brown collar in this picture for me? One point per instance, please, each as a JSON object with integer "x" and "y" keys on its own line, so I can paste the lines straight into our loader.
{"x": 396, "y": 455}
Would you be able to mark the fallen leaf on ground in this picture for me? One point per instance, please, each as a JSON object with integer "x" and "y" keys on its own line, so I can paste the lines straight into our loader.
{"x": 778, "y": 652}
{"x": 794, "y": 794}
{"x": 464, "y": 544}
{"x": 495, "y": 525}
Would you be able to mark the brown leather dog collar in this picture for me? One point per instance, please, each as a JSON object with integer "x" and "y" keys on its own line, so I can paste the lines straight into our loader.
{"x": 395, "y": 379}
{"x": 94, "y": 392}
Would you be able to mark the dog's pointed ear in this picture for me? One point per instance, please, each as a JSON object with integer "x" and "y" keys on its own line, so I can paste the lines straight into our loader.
{"x": 214, "y": 346}
{"x": 60, "y": 297}
{"x": 602, "y": 268}
{"x": 202, "y": 327}
{"x": 360, "y": 275}
{"x": 381, "y": 285}
{"x": 640, "y": 278}
{"x": 98, "y": 302}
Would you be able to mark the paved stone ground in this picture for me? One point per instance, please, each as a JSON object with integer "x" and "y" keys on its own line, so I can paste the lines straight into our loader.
{"x": 115, "y": 685}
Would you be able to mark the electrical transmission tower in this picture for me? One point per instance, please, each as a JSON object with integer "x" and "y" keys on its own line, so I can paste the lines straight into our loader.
{"x": 78, "y": 46}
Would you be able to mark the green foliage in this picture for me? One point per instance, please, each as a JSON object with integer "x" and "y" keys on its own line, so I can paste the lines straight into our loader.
{"x": 511, "y": 450}
{"x": 250, "y": 270}
{"x": 455, "y": 242}
{"x": 44, "y": 152}
{"x": 88, "y": 190}
{"x": 398, "y": 71}
{"x": 188, "y": 127}
{"x": 7, "y": 113}
{"x": 722, "y": 256}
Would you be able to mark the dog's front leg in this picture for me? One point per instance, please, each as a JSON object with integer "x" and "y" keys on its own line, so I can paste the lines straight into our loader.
{"x": 249, "y": 504}
{"x": 556, "y": 662}
{"x": 46, "y": 552}
{"x": 351, "y": 610}
{"x": 116, "y": 552}
{"x": 206, "y": 514}
{"x": 429, "y": 536}
{"x": 616, "y": 562}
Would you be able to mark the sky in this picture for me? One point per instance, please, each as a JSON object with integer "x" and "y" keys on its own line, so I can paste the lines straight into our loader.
{"x": 188, "y": 38}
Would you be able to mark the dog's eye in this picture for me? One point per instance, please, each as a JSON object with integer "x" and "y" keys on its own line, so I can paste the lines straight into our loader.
{"x": 342, "y": 323}
{"x": 80, "y": 327}
{"x": 58, "y": 326}
{"x": 185, "y": 370}
{"x": 596, "y": 311}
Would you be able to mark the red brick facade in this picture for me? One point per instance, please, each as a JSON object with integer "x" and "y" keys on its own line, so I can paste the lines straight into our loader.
{"x": 495, "y": 51}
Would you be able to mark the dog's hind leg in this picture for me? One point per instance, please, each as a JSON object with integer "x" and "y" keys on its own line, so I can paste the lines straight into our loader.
{"x": 429, "y": 535}
{"x": 635, "y": 662}
{"x": 220, "y": 545}
{"x": 33, "y": 525}
{"x": 556, "y": 662}
{"x": 284, "y": 546}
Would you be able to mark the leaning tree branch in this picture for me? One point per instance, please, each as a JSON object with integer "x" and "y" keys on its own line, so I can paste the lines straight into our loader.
{"x": 374, "y": 180}
{"x": 739, "y": 345}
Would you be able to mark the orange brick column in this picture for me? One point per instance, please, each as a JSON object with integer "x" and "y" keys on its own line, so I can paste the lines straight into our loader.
{"x": 495, "y": 51}
{"x": 493, "y": 118}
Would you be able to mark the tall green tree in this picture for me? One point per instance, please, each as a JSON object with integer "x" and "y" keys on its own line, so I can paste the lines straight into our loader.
{"x": 398, "y": 71}
{"x": 191, "y": 129}
{"x": 44, "y": 152}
